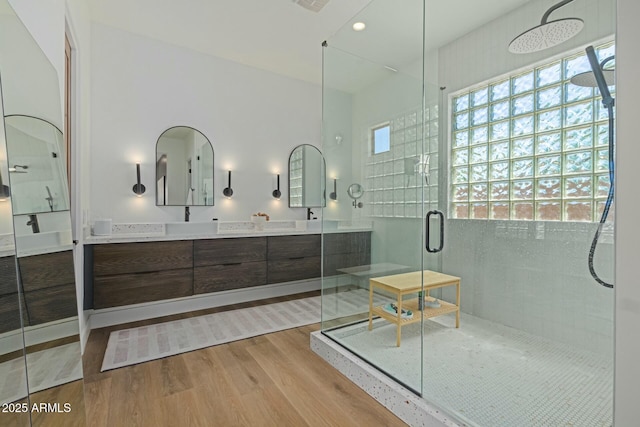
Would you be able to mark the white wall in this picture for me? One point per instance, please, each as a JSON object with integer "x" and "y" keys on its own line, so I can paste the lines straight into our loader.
{"x": 253, "y": 118}
{"x": 337, "y": 152}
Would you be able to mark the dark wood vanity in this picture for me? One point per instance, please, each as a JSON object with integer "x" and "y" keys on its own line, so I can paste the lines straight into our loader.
{"x": 130, "y": 273}
{"x": 48, "y": 289}
{"x": 49, "y": 286}
{"x": 9, "y": 300}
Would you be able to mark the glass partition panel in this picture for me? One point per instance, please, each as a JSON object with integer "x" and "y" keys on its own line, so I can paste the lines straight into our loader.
{"x": 373, "y": 123}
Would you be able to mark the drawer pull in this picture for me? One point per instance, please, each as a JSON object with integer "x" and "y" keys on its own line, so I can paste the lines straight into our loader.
{"x": 232, "y": 263}
{"x": 297, "y": 257}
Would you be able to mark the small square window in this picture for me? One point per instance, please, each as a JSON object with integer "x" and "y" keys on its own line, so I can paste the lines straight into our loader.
{"x": 381, "y": 139}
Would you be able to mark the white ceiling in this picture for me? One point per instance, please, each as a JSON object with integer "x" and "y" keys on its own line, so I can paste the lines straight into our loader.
{"x": 282, "y": 37}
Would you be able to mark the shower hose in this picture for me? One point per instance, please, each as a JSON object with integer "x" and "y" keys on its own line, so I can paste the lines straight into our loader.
{"x": 607, "y": 205}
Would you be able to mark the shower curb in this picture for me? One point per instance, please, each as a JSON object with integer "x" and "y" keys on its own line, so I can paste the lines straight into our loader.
{"x": 406, "y": 405}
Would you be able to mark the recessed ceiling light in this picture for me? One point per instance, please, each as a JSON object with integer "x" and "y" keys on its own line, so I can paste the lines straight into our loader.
{"x": 358, "y": 26}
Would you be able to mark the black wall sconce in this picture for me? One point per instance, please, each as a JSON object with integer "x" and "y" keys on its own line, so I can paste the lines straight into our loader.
{"x": 334, "y": 194}
{"x": 138, "y": 188}
{"x": 228, "y": 192}
{"x": 276, "y": 193}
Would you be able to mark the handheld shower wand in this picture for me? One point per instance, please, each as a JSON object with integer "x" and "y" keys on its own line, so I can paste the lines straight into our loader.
{"x": 599, "y": 80}
{"x": 49, "y": 199}
{"x": 597, "y": 68}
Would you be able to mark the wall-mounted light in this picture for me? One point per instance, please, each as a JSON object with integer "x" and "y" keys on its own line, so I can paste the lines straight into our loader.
{"x": 138, "y": 188}
{"x": 228, "y": 192}
{"x": 5, "y": 192}
{"x": 276, "y": 193}
{"x": 334, "y": 194}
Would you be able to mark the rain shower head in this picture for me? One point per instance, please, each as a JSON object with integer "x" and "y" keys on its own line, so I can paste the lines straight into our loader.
{"x": 547, "y": 34}
{"x": 598, "y": 77}
{"x": 588, "y": 78}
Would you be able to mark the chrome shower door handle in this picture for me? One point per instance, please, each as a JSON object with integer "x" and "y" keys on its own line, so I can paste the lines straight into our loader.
{"x": 426, "y": 233}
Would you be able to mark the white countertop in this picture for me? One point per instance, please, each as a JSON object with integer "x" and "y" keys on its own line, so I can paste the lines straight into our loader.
{"x": 145, "y": 233}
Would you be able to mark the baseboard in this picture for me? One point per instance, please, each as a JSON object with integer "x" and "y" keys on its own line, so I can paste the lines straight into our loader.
{"x": 406, "y": 405}
{"x": 45, "y": 332}
{"x": 133, "y": 313}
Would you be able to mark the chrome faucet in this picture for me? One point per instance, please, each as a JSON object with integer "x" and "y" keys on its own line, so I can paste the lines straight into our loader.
{"x": 186, "y": 214}
{"x": 33, "y": 223}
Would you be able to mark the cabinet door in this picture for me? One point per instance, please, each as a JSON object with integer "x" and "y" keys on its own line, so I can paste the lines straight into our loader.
{"x": 229, "y": 251}
{"x": 8, "y": 279}
{"x": 125, "y": 289}
{"x": 49, "y": 304}
{"x": 287, "y": 270}
{"x": 47, "y": 270}
{"x": 10, "y": 312}
{"x": 123, "y": 258}
{"x": 215, "y": 278}
{"x": 344, "y": 250}
{"x": 285, "y": 247}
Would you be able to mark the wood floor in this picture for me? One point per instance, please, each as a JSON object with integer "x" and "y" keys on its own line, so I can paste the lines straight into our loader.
{"x": 269, "y": 380}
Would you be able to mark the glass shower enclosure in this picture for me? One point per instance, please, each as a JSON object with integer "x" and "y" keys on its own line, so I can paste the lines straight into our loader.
{"x": 477, "y": 177}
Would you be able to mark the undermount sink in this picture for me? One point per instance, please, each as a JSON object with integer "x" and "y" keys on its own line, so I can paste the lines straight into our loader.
{"x": 188, "y": 228}
{"x": 41, "y": 241}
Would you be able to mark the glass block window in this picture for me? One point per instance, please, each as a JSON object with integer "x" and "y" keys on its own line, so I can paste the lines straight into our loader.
{"x": 398, "y": 181}
{"x": 295, "y": 178}
{"x": 381, "y": 138}
{"x": 531, "y": 146}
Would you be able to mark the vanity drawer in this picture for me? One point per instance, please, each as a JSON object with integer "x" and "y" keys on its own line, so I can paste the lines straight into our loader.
{"x": 294, "y": 268}
{"x": 49, "y": 304}
{"x": 10, "y": 313}
{"x": 346, "y": 243}
{"x": 8, "y": 279}
{"x": 285, "y": 247}
{"x": 229, "y": 251}
{"x": 47, "y": 270}
{"x": 222, "y": 277}
{"x": 125, "y": 289}
{"x": 122, "y": 258}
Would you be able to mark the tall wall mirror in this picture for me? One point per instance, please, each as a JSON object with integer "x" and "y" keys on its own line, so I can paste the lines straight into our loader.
{"x": 46, "y": 304}
{"x": 307, "y": 171}
{"x": 184, "y": 168}
{"x": 13, "y": 374}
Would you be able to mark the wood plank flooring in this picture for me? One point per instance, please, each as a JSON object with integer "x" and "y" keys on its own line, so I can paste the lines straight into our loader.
{"x": 269, "y": 380}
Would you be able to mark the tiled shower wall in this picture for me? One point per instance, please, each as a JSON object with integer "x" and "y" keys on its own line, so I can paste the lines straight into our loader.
{"x": 531, "y": 275}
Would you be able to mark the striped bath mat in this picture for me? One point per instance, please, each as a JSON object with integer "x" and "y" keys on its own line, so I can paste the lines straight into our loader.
{"x": 145, "y": 343}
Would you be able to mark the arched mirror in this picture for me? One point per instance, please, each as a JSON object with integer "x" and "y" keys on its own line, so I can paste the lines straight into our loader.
{"x": 306, "y": 177}
{"x": 184, "y": 168}
{"x": 37, "y": 166}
